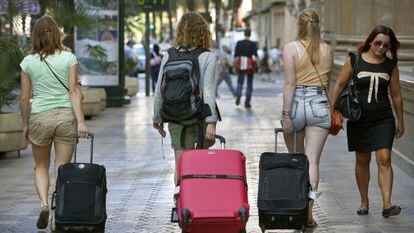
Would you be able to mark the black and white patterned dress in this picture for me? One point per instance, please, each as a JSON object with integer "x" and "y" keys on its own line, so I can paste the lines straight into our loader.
{"x": 376, "y": 128}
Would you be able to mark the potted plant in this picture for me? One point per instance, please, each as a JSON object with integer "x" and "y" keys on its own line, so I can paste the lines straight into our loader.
{"x": 11, "y": 54}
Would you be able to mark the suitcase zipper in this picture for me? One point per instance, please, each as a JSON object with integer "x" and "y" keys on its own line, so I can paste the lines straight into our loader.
{"x": 264, "y": 188}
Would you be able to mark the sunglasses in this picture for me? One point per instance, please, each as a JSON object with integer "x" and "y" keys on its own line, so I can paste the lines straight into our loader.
{"x": 380, "y": 43}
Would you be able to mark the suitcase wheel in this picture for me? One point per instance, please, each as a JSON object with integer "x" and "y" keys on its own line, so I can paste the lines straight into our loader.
{"x": 185, "y": 216}
{"x": 243, "y": 214}
{"x": 303, "y": 229}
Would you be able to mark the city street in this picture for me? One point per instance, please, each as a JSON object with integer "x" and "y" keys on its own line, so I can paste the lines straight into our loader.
{"x": 140, "y": 181}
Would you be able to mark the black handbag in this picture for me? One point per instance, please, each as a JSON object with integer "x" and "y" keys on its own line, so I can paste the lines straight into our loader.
{"x": 348, "y": 103}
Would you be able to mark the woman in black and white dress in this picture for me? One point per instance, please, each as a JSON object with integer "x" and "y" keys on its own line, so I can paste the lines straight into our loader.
{"x": 377, "y": 76}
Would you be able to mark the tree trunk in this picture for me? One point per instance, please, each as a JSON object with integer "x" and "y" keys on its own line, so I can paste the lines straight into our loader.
{"x": 190, "y": 5}
{"x": 154, "y": 34}
{"x": 69, "y": 40}
{"x": 161, "y": 26}
{"x": 170, "y": 24}
{"x": 217, "y": 5}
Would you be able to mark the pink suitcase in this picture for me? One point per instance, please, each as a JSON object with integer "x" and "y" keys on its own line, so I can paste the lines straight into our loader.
{"x": 212, "y": 194}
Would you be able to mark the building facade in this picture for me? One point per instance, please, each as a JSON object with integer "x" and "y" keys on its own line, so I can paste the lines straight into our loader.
{"x": 345, "y": 24}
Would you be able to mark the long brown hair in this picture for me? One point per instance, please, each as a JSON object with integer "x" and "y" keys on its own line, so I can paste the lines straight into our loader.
{"x": 381, "y": 29}
{"x": 308, "y": 29}
{"x": 192, "y": 32}
{"x": 46, "y": 37}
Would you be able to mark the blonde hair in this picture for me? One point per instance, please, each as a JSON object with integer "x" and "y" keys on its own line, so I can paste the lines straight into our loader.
{"x": 309, "y": 30}
{"x": 193, "y": 32}
{"x": 46, "y": 37}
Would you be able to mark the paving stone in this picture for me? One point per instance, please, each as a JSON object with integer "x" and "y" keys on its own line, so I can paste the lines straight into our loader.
{"x": 140, "y": 181}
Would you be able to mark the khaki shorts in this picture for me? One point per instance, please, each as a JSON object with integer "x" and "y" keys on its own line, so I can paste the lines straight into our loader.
{"x": 54, "y": 125}
{"x": 190, "y": 138}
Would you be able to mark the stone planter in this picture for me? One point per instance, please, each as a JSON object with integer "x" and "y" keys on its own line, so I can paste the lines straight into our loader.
{"x": 11, "y": 135}
{"x": 91, "y": 101}
{"x": 132, "y": 85}
{"x": 102, "y": 95}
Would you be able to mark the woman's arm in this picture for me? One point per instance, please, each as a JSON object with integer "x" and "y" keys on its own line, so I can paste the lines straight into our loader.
{"x": 330, "y": 57}
{"x": 342, "y": 80}
{"x": 76, "y": 100}
{"x": 209, "y": 93}
{"x": 25, "y": 94}
{"x": 289, "y": 86}
{"x": 156, "y": 119}
{"x": 395, "y": 91}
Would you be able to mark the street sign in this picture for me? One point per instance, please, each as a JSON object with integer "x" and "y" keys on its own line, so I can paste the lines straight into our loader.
{"x": 154, "y": 5}
{"x": 31, "y": 7}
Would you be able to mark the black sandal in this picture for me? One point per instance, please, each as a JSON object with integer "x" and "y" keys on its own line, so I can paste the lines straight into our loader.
{"x": 393, "y": 210}
{"x": 43, "y": 218}
{"x": 363, "y": 211}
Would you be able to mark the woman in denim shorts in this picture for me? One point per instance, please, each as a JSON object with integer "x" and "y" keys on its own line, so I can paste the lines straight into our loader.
{"x": 50, "y": 73}
{"x": 305, "y": 105}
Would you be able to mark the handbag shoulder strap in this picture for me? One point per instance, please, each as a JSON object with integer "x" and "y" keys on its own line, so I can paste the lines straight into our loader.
{"x": 319, "y": 76}
{"x": 355, "y": 62}
{"x": 54, "y": 74}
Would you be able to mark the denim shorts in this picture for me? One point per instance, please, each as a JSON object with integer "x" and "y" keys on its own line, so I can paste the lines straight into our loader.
{"x": 310, "y": 108}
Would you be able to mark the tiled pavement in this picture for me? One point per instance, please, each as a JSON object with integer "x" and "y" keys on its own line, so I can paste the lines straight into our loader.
{"x": 140, "y": 181}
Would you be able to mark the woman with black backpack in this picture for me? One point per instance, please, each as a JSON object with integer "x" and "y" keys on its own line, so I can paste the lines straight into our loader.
{"x": 185, "y": 95}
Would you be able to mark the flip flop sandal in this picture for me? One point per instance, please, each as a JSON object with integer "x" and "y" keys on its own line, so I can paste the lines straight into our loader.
{"x": 43, "y": 218}
{"x": 363, "y": 211}
{"x": 393, "y": 210}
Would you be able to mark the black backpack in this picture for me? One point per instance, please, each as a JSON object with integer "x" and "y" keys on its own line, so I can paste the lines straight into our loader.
{"x": 182, "y": 99}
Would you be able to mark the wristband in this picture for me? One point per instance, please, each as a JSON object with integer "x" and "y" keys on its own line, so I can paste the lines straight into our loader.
{"x": 285, "y": 113}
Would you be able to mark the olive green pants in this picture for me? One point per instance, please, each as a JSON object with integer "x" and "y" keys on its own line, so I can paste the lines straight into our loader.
{"x": 190, "y": 137}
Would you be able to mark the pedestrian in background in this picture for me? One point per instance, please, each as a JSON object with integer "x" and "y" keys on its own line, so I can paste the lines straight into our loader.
{"x": 264, "y": 65}
{"x": 376, "y": 73}
{"x": 192, "y": 33}
{"x": 50, "y": 73}
{"x": 155, "y": 63}
{"x": 275, "y": 55}
{"x": 223, "y": 68}
{"x": 246, "y": 61}
{"x": 308, "y": 64}
{"x": 130, "y": 60}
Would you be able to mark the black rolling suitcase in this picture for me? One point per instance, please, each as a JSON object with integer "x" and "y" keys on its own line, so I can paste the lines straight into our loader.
{"x": 79, "y": 201}
{"x": 283, "y": 190}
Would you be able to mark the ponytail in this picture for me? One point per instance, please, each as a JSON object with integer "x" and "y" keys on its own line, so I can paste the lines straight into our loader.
{"x": 308, "y": 29}
{"x": 314, "y": 40}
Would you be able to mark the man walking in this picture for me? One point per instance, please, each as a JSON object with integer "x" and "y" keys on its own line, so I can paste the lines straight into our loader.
{"x": 223, "y": 68}
{"x": 245, "y": 61}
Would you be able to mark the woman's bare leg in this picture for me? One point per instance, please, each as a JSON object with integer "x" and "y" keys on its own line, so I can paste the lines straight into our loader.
{"x": 63, "y": 154}
{"x": 177, "y": 154}
{"x": 362, "y": 175}
{"x": 41, "y": 156}
{"x": 385, "y": 176}
{"x": 315, "y": 138}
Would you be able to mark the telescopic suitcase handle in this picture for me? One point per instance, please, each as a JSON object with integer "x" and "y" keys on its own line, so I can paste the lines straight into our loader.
{"x": 220, "y": 138}
{"x": 222, "y": 141}
{"x": 91, "y": 136}
{"x": 295, "y": 135}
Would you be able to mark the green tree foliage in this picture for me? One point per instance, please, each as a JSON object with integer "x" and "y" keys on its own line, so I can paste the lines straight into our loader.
{"x": 11, "y": 55}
